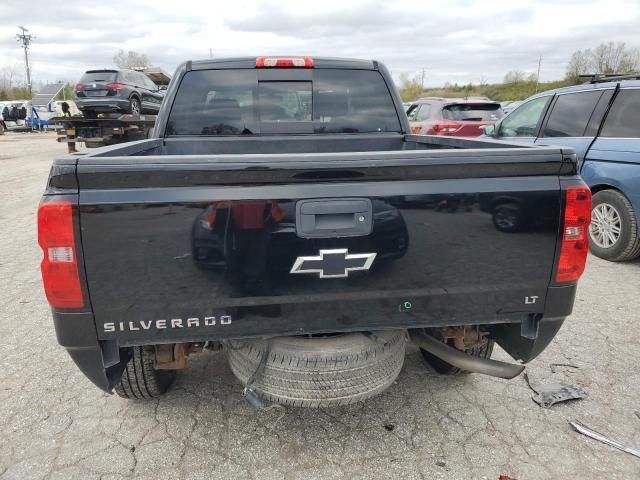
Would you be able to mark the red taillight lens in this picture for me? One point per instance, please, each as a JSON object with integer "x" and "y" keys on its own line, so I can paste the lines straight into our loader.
{"x": 443, "y": 128}
{"x": 79, "y": 87}
{"x": 575, "y": 235}
{"x": 284, "y": 62}
{"x": 60, "y": 263}
{"x": 115, "y": 86}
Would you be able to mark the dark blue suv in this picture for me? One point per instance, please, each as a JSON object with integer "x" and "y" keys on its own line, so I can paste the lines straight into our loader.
{"x": 126, "y": 91}
{"x": 601, "y": 121}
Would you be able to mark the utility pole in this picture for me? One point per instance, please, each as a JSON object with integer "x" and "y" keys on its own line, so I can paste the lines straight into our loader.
{"x": 25, "y": 39}
{"x": 211, "y": 53}
{"x": 538, "y": 75}
{"x": 422, "y": 80}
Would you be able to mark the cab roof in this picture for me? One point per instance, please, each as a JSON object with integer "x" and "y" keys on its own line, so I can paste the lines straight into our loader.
{"x": 250, "y": 62}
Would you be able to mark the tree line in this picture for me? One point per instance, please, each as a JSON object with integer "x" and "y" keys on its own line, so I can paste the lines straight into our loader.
{"x": 606, "y": 58}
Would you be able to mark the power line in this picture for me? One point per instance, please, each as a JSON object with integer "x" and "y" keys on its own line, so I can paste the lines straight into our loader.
{"x": 25, "y": 38}
{"x": 538, "y": 74}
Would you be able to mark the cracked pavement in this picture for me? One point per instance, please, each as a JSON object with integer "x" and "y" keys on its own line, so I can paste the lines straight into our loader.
{"x": 57, "y": 425}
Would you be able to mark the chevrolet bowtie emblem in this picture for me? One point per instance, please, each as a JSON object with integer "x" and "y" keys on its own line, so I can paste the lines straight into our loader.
{"x": 333, "y": 263}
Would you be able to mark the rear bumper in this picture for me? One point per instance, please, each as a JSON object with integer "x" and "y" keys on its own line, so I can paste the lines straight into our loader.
{"x": 102, "y": 104}
{"x": 102, "y": 362}
{"x": 99, "y": 361}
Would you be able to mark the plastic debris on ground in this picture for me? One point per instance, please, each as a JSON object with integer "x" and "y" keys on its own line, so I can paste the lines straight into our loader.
{"x": 552, "y": 393}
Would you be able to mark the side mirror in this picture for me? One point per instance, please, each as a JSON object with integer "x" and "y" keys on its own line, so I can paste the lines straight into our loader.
{"x": 489, "y": 130}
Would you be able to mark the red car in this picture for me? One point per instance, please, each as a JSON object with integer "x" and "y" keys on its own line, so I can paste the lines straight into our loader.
{"x": 453, "y": 117}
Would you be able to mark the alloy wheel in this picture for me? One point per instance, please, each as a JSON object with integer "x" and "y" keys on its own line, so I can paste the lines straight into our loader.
{"x": 606, "y": 225}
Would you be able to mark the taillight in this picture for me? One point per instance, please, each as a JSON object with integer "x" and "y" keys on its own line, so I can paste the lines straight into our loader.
{"x": 575, "y": 235}
{"x": 284, "y": 62}
{"x": 79, "y": 87}
{"x": 60, "y": 263}
{"x": 443, "y": 128}
{"x": 114, "y": 86}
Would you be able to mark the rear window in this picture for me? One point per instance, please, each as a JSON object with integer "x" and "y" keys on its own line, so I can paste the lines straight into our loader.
{"x": 571, "y": 114}
{"x": 473, "y": 112}
{"x": 623, "y": 120}
{"x": 93, "y": 77}
{"x": 236, "y": 102}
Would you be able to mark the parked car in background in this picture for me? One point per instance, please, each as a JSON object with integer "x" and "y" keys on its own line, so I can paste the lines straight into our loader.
{"x": 458, "y": 117}
{"x": 125, "y": 91}
{"x": 601, "y": 121}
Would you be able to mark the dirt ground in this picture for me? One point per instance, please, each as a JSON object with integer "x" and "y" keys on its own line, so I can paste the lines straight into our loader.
{"x": 55, "y": 424}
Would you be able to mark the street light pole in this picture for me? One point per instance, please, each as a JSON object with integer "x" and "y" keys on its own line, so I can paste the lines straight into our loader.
{"x": 25, "y": 38}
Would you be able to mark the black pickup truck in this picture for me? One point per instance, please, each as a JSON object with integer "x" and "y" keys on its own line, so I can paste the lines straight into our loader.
{"x": 283, "y": 212}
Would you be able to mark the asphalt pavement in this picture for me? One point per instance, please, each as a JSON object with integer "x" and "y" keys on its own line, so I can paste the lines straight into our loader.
{"x": 56, "y": 425}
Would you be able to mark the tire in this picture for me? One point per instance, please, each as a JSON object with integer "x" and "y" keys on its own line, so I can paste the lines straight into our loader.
{"x": 611, "y": 209}
{"x": 140, "y": 380}
{"x": 444, "y": 368}
{"x": 1, "y": 129}
{"x": 134, "y": 106}
{"x": 321, "y": 371}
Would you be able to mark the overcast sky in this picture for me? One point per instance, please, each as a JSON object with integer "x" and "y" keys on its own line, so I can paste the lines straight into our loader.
{"x": 454, "y": 41}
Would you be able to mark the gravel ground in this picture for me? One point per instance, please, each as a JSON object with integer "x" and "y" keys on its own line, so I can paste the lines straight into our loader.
{"x": 57, "y": 425}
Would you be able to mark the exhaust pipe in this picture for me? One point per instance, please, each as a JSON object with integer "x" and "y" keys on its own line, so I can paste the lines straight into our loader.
{"x": 457, "y": 358}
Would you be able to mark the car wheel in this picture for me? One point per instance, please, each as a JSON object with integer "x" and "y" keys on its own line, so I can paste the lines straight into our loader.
{"x": 134, "y": 106}
{"x": 321, "y": 371}
{"x": 140, "y": 380}
{"x": 1, "y": 129}
{"x": 613, "y": 232}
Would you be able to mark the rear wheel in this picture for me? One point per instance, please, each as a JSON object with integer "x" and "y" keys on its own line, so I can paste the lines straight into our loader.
{"x": 321, "y": 371}
{"x": 483, "y": 348}
{"x": 140, "y": 380}
{"x": 614, "y": 227}
{"x": 134, "y": 106}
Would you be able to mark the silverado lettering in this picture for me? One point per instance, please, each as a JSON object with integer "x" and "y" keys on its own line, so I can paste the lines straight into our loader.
{"x": 190, "y": 322}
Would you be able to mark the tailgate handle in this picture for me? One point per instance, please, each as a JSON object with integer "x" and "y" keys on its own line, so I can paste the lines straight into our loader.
{"x": 334, "y": 217}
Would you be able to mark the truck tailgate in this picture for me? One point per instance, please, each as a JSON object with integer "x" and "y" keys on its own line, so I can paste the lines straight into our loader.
{"x": 186, "y": 248}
